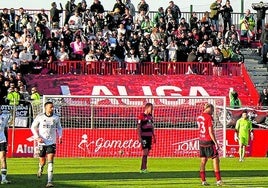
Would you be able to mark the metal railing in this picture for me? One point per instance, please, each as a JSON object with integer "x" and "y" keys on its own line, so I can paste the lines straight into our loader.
{"x": 146, "y": 68}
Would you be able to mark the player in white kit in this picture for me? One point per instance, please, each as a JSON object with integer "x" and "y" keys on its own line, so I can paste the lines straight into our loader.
{"x": 3, "y": 146}
{"x": 45, "y": 128}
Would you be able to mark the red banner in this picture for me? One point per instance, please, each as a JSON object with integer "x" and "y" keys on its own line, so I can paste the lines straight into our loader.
{"x": 124, "y": 143}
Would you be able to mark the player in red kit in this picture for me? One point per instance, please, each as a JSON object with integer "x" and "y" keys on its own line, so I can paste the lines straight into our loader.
{"x": 146, "y": 134}
{"x": 208, "y": 144}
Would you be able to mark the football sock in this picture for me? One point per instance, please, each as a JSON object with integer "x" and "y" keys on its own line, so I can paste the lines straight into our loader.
{"x": 144, "y": 162}
{"x": 243, "y": 152}
{"x": 202, "y": 175}
{"x": 240, "y": 152}
{"x": 218, "y": 175}
{"x": 41, "y": 167}
{"x": 49, "y": 171}
{"x": 3, "y": 173}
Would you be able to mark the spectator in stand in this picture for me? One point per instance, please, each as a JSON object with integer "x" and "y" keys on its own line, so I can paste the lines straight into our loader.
{"x": 7, "y": 41}
{"x": 156, "y": 59}
{"x": 217, "y": 59}
{"x": 17, "y": 24}
{"x": 14, "y": 70}
{"x": 55, "y": 13}
{"x": 235, "y": 102}
{"x": 175, "y": 11}
{"x": 121, "y": 29}
{"x": 119, "y": 54}
{"x": 230, "y": 33}
{"x": 75, "y": 22}
{"x": 194, "y": 21}
{"x": 12, "y": 15}
{"x": 39, "y": 36}
{"x": 121, "y": 6}
{"x": 227, "y": 16}
{"x": 185, "y": 25}
{"x": 132, "y": 61}
{"x": 127, "y": 20}
{"x": 23, "y": 16}
{"x": 97, "y": 7}
{"x": 69, "y": 10}
{"x": 62, "y": 55}
{"x": 143, "y": 6}
{"x": 37, "y": 65}
{"x": 131, "y": 8}
{"x": 25, "y": 61}
{"x": 5, "y": 15}
{"x": 215, "y": 9}
{"x": 31, "y": 25}
{"x": 77, "y": 48}
{"x": 47, "y": 56}
{"x": 261, "y": 9}
{"x": 147, "y": 25}
{"x": 159, "y": 14}
{"x": 169, "y": 16}
{"x": 263, "y": 100}
{"x": 90, "y": 59}
{"x": 247, "y": 24}
{"x": 264, "y": 41}
{"x": 172, "y": 48}
{"x": 41, "y": 17}
{"x": 139, "y": 19}
{"x": 23, "y": 92}
{"x": 29, "y": 43}
{"x": 206, "y": 21}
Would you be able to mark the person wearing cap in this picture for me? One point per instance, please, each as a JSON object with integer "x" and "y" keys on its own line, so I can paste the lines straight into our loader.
{"x": 208, "y": 144}
{"x": 243, "y": 129}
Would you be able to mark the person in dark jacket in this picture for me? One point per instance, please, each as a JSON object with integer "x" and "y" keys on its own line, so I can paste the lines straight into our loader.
{"x": 264, "y": 41}
{"x": 261, "y": 9}
{"x": 55, "y": 13}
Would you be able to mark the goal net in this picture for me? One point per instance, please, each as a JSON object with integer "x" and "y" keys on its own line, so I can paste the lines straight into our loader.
{"x": 106, "y": 126}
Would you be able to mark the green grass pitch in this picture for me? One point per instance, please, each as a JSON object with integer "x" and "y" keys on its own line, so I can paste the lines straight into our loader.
{"x": 124, "y": 172}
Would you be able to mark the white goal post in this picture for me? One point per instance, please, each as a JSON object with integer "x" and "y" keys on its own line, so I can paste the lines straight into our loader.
{"x": 101, "y": 126}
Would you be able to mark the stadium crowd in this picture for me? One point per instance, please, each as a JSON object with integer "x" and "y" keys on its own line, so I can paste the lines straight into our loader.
{"x": 124, "y": 34}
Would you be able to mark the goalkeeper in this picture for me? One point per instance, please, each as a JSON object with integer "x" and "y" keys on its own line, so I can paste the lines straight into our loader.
{"x": 242, "y": 130}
